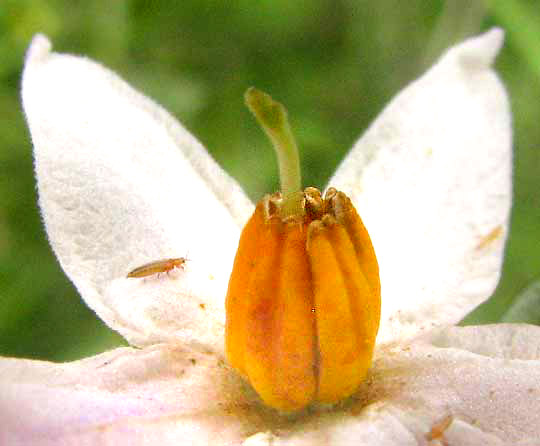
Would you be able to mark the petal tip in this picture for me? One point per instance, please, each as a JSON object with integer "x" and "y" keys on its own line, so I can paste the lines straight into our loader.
{"x": 39, "y": 49}
{"x": 480, "y": 51}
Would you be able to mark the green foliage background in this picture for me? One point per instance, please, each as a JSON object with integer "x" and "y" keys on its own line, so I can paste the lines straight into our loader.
{"x": 334, "y": 63}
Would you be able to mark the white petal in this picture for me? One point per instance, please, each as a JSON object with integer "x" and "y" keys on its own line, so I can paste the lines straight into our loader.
{"x": 168, "y": 395}
{"x": 118, "y": 396}
{"x": 489, "y": 396}
{"x": 183, "y": 306}
{"x": 121, "y": 183}
{"x": 504, "y": 341}
{"x": 432, "y": 180}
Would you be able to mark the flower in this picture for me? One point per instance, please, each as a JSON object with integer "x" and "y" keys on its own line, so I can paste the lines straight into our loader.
{"x": 121, "y": 182}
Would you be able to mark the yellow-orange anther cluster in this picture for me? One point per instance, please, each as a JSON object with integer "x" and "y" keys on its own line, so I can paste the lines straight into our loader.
{"x": 303, "y": 304}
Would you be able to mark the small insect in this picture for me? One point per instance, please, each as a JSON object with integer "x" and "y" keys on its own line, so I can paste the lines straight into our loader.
{"x": 438, "y": 429}
{"x": 489, "y": 238}
{"x": 159, "y": 266}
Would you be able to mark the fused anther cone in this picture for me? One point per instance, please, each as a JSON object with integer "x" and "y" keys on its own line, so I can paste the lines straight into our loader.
{"x": 303, "y": 303}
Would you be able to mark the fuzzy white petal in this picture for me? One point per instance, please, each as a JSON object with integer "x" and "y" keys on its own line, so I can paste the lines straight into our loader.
{"x": 169, "y": 395}
{"x": 122, "y": 183}
{"x": 119, "y": 395}
{"x": 432, "y": 180}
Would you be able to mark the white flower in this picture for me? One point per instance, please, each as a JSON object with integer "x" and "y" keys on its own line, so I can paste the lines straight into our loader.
{"x": 121, "y": 183}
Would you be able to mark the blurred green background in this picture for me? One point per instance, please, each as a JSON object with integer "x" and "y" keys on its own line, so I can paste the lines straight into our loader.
{"x": 334, "y": 63}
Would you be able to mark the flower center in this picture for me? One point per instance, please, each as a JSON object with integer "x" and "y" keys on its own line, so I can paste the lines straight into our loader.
{"x": 303, "y": 302}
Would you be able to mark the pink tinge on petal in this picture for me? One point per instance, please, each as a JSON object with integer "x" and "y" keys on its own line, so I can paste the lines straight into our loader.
{"x": 168, "y": 395}
{"x": 188, "y": 394}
